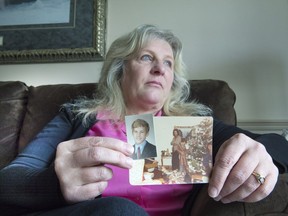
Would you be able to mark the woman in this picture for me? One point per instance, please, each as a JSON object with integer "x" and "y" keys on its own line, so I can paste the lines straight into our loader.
{"x": 176, "y": 140}
{"x": 83, "y": 150}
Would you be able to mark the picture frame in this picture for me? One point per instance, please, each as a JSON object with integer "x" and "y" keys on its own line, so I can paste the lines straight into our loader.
{"x": 82, "y": 39}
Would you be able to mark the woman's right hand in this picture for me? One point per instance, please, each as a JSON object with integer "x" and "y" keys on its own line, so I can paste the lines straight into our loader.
{"x": 79, "y": 165}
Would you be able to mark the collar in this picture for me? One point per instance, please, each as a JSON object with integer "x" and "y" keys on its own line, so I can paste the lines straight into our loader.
{"x": 106, "y": 115}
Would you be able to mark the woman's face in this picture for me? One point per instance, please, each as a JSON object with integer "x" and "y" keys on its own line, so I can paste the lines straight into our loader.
{"x": 148, "y": 77}
{"x": 175, "y": 133}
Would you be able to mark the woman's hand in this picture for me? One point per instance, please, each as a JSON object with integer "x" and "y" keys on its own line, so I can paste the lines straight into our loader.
{"x": 79, "y": 165}
{"x": 232, "y": 178}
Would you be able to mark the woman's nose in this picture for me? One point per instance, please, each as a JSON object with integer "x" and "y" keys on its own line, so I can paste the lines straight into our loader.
{"x": 158, "y": 68}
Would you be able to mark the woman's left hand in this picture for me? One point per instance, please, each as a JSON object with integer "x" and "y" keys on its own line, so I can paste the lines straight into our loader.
{"x": 232, "y": 177}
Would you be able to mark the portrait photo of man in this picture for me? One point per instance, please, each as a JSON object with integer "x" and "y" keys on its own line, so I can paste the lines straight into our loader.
{"x": 142, "y": 148}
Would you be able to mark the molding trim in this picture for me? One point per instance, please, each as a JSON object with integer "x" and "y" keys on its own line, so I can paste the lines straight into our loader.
{"x": 264, "y": 126}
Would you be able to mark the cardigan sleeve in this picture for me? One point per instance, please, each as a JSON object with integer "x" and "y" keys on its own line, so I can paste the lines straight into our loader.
{"x": 30, "y": 180}
{"x": 276, "y": 145}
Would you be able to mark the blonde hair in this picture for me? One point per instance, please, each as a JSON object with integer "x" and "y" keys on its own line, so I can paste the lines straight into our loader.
{"x": 140, "y": 123}
{"x": 109, "y": 95}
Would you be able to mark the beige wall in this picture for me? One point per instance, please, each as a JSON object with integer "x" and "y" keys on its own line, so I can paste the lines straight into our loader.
{"x": 244, "y": 42}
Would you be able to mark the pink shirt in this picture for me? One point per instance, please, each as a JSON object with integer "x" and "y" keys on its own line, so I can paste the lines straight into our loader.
{"x": 157, "y": 200}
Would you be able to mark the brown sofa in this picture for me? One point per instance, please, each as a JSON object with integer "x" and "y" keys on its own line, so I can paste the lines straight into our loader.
{"x": 24, "y": 110}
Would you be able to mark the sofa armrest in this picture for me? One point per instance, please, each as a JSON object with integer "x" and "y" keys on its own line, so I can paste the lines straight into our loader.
{"x": 13, "y": 100}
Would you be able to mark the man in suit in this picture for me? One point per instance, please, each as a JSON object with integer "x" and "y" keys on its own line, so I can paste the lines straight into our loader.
{"x": 142, "y": 148}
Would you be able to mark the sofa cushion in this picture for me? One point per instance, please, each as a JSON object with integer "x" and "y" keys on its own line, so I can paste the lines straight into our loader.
{"x": 13, "y": 100}
{"x": 44, "y": 103}
{"x": 218, "y": 96}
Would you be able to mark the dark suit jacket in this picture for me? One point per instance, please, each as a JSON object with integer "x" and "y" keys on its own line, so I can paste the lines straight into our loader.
{"x": 148, "y": 151}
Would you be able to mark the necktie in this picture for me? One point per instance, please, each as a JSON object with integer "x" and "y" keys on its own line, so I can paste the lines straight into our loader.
{"x": 138, "y": 153}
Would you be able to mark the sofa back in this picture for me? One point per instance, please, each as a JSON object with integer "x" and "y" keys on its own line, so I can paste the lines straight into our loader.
{"x": 25, "y": 110}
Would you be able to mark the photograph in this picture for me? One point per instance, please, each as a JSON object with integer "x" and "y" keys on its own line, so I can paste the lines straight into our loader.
{"x": 34, "y": 12}
{"x": 184, "y": 152}
{"x": 130, "y": 107}
{"x": 140, "y": 136}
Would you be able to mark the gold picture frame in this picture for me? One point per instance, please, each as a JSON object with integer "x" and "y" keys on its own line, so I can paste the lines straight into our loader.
{"x": 82, "y": 39}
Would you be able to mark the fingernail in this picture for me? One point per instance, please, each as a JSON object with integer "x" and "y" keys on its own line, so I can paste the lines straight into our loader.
{"x": 213, "y": 192}
{"x": 129, "y": 162}
{"x": 218, "y": 198}
{"x": 130, "y": 149}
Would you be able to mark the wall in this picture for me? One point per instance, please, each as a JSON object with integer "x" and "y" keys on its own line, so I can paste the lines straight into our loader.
{"x": 242, "y": 42}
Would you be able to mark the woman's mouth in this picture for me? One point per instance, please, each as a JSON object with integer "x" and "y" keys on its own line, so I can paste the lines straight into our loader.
{"x": 154, "y": 83}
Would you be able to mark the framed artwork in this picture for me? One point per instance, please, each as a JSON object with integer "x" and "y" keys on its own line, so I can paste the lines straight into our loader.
{"x": 44, "y": 31}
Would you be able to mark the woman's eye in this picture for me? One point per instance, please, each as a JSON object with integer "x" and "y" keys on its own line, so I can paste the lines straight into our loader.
{"x": 168, "y": 63}
{"x": 146, "y": 58}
